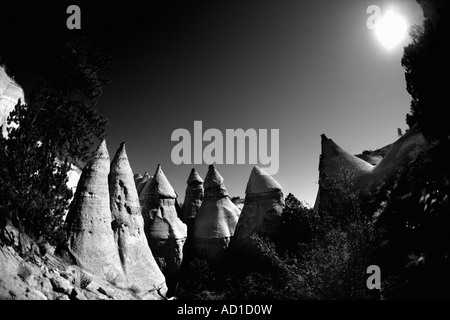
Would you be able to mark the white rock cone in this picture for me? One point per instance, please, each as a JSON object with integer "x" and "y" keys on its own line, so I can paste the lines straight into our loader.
{"x": 139, "y": 265}
{"x": 91, "y": 239}
{"x": 166, "y": 233}
{"x": 216, "y": 220}
{"x": 263, "y": 206}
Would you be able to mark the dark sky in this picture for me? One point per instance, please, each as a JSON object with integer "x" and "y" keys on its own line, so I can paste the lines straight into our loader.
{"x": 303, "y": 67}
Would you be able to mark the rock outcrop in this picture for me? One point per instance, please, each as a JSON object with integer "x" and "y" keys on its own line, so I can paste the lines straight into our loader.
{"x": 139, "y": 265}
{"x": 333, "y": 159}
{"x": 166, "y": 233}
{"x": 216, "y": 220}
{"x": 263, "y": 205}
{"x": 10, "y": 93}
{"x": 90, "y": 237}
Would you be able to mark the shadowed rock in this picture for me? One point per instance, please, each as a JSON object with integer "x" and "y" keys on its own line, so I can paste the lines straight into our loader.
{"x": 193, "y": 199}
{"x": 166, "y": 233}
{"x": 137, "y": 178}
{"x": 90, "y": 237}
{"x": 139, "y": 265}
{"x": 216, "y": 220}
{"x": 143, "y": 182}
{"x": 263, "y": 206}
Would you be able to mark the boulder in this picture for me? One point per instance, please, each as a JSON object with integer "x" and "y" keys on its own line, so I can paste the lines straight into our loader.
{"x": 137, "y": 260}
{"x": 90, "y": 236}
{"x": 263, "y": 205}
{"x": 165, "y": 232}
{"x": 216, "y": 219}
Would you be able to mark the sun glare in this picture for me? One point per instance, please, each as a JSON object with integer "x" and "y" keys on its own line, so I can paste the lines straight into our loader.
{"x": 391, "y": 30}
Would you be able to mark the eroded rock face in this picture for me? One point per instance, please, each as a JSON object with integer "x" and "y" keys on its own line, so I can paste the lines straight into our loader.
{"x": 263, "y": 205}
{"x": 216, "y": 220}
{"x": 166, "y": 233}
{"x": 10, "y": 93}
{"x": 139, "y": 265}
{"x": 90, "y": 237}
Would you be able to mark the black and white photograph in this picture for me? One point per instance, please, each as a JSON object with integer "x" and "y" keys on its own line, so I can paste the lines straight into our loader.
{"x": 220, "y": 156}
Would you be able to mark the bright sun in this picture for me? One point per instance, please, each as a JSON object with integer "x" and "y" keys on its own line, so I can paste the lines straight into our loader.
{"x": 391, "y": 29}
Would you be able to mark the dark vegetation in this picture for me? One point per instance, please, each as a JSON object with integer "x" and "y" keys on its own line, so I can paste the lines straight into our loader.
{"x": 58, "y": 126}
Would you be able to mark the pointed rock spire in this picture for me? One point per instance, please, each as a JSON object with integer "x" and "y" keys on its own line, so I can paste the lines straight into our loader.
{"x": 216, "y": 220}
{"x": 194, "y": 178}
{"x": 90, "y": 237}
{"x": 263, "y": 205}
{"x": 165, "y": 232}
{"x": 333, "y": 158}
{"x": 214, "y": 183}
{"x": 193, "y": 198}
{"x": 160, "y": 186}
{"x": 139, "y": 265}
{"x": 334, "y": 161}
{"x": 260, "y": 182}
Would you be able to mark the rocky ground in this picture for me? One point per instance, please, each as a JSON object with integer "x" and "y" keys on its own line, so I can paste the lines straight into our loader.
{"x": 38, "y": 276}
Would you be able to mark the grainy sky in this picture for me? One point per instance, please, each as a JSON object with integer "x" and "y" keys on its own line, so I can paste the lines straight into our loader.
{"x": 303, "y": 67}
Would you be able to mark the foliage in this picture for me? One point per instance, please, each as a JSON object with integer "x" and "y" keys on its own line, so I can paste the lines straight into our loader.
{"x": 417, "y": 219}
{"x": 58, "y": 126}
{"x": 427, "y": 68}
{"x": 316, "y": 255}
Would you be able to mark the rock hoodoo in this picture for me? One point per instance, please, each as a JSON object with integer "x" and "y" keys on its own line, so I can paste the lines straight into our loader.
{"x": 263, "y": 205}
{"x": 91, "y": 240}
{"x": 193, "y": 199}
{"x": 139, "y": 265}
{"x": 216, "y": 220}
{"x": 166, "y": 233}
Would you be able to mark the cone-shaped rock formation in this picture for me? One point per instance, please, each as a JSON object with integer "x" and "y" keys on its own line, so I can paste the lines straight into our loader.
{"x": 263, "y": 206}
{"x": 335, "y": 161}
{"x": 216, "y": 220}
{"x": 165, "y": 232}
{"x": 139, "y": 265}
{"x": 90, "y": 237}
{"x": 193, "y": 199}
{"x": 334, "y": 158}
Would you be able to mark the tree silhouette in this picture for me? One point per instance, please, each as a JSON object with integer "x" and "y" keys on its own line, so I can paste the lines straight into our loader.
{"x": 427, "y": 66}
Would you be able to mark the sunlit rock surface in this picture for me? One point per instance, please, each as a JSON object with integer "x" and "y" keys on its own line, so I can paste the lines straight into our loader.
{"x": 10, "y": 93}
